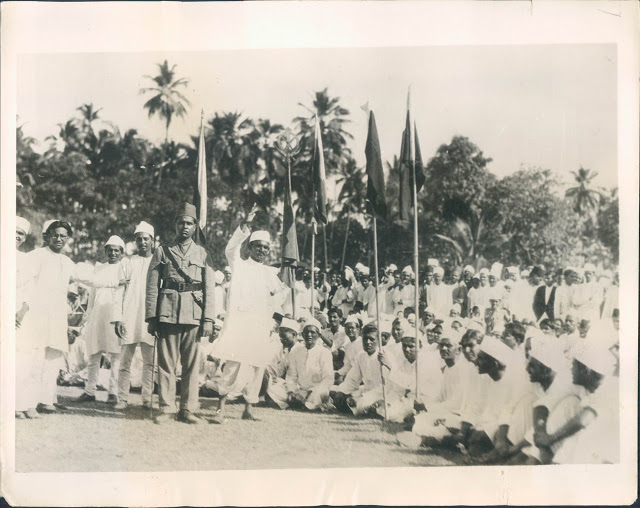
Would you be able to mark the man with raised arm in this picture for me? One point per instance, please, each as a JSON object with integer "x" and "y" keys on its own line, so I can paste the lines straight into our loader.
{"x": 255, "y": 292}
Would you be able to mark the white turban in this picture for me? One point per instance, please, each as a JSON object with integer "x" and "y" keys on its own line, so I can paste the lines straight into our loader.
{"x": 549, "y": 353}
{"x": 497, "y": 349}
{"x": 439, "y": 270}
{"x": 291, "y": 324}
{"x": 433, "y": 262}
{"x": 352, "y": 319}
{"x": 313, "y": 322}
{"x": 23, "y": 224}
{"x": 219, "y": 277}
{"x": 469, "y": 269}
{"x": 407, "y": 269}
{"x": 365, "y": 270}
{"x": 359, "y": 267}
{"x": 392, "y": 267}
{"x": 496, "y": 270}
{"x": 484, "y": 271}
{"x": 260, "y": 236}
{"x": 144, "y": 227}
{"x": 595, "y": 356}
{"x": 116, "y": 241}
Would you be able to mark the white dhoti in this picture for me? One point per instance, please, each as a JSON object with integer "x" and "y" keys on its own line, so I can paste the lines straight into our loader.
{"x": 436, "y": 423}
{"x": 52, "y": 363}
{"x": 28, "y": 371}
{"x": 277, "y": 391}
{"x": 241, "y": 378}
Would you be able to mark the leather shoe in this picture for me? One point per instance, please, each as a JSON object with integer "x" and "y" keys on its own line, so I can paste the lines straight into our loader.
{"x": 46, "y": 409}
{"x": 31, "y": 414}
{"x": 164, "y": 418}
{"x": 85, "y": 397}
{"x": 112, "y": 399}
{"x": 187, "y": 417}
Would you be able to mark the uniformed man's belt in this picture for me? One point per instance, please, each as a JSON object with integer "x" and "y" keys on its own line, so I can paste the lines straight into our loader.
{"x": 181, "y": 286}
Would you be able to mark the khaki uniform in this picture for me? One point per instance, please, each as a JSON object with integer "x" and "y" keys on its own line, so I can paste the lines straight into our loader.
{"x": 180, "y": 307}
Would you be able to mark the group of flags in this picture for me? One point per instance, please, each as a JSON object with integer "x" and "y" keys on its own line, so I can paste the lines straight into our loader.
{"x": 376, "y": 200}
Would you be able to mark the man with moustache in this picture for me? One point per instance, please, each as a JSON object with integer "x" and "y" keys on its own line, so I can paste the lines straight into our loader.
{"x": 128, "y": 317}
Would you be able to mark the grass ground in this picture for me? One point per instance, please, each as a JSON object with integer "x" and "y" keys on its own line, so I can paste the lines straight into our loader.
{"x": 94, "y": 437}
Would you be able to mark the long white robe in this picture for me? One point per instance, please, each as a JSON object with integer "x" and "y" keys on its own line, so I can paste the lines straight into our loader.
{"x": 50, "y": 274}
{"x": 255, "y": 293}
{"x": 99, "y": 332}
{"x": 129, "y": 301}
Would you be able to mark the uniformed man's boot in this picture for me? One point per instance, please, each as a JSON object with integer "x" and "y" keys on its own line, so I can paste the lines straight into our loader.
{"x": 186, "y": 416}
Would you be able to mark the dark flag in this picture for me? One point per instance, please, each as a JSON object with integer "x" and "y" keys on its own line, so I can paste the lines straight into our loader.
{"x": 290, "y": 256}
{"x": 200, "y": 191}
{"x": 376, "y": 199}
{"x": 409, "y": 153}
{"x": 319, "y": 178}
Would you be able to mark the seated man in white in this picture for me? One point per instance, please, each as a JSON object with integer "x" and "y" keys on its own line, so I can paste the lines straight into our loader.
{"x": 351, "y": 348}
{"x": 310, "y": 372}
{"x": 361, "y": 388}
{"x": 279, "y": 366}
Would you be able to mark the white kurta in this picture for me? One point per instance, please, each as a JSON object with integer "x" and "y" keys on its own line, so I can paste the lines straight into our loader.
{"x": 50, "y": 274}
{"x": 403, "y": 297}
{"x": 351, "y": 351}
{"x": 255, "y": 293}
{"x": 129, "y": 302}
{"x": 99, "y": 332}
{"x": 440, "y": 300}
{"x": 310, "y": 368}
{"x": 345, "y": 299}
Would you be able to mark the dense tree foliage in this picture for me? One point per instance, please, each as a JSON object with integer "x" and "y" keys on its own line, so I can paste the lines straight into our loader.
{"x": 104, "y": 182}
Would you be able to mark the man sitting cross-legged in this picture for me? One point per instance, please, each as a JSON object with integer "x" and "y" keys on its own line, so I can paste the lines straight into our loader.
{"x": 277, "y": 369}
{"x": 361, "y": 388}
{"x": 310, "y": 372}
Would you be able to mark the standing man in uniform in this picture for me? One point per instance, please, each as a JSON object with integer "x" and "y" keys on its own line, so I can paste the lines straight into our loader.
{"x": 180, "y": 310}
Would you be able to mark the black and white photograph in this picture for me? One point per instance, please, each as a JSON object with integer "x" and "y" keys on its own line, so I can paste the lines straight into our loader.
{"x": 320, "y": 258}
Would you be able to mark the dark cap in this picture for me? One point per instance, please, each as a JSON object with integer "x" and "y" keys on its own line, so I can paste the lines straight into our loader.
{"x": 186, "y": 209}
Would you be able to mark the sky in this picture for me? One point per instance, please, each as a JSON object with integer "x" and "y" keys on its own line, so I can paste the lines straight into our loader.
{"x": 552, "y": 106}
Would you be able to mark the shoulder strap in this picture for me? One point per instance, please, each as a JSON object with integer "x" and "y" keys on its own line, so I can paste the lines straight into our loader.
{"x": 176, "y": 267}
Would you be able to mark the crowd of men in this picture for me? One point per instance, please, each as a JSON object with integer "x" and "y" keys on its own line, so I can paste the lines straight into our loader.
{"x": 505, "y": 365}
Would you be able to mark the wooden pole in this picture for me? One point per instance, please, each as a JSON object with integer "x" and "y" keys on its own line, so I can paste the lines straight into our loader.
{"x": 417, "y": 273}
{"x": 313, "y": 265}
{"x": 375, "y": 262}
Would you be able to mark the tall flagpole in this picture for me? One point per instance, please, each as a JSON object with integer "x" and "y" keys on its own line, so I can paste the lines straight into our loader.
{"x": 375, "y": 262}
{"x": 415, "y": 243}
{"x": 313, "y": 263}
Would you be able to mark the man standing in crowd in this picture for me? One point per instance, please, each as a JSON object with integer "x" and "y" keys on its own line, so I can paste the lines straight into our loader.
{"x": 544, "y": 298}
{"x": 100, "y": 335}
{"x": 255, "y": 294}
{"x": 128, "y": 317}
{"x": 179, "y": 309}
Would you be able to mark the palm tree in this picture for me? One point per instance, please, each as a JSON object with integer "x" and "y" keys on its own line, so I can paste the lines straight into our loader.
{"x": 351, "y": 195}
{"x": 167, "y": 101}
{"x": 88, "y": 115}
{"x": 586, "y": 199}
{"x": 470, "y": 238}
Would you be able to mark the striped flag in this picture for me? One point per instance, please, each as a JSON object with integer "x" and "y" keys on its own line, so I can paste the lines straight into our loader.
{"x": 376, "y": 199}
{"x": 319, "y": 177}
{"x": 200, "y": 197}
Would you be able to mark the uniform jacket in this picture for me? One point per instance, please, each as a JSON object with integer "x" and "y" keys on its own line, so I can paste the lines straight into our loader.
{"x": 171, "y": 306}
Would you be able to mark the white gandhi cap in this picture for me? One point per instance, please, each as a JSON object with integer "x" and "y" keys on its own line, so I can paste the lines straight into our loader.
{"x": 497, "y": 349}
{"x": 23, "y": 224}
{"x": 116, "y": 241}
{"x": 144, "y": 227}
{"x": 260, "y": 236}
